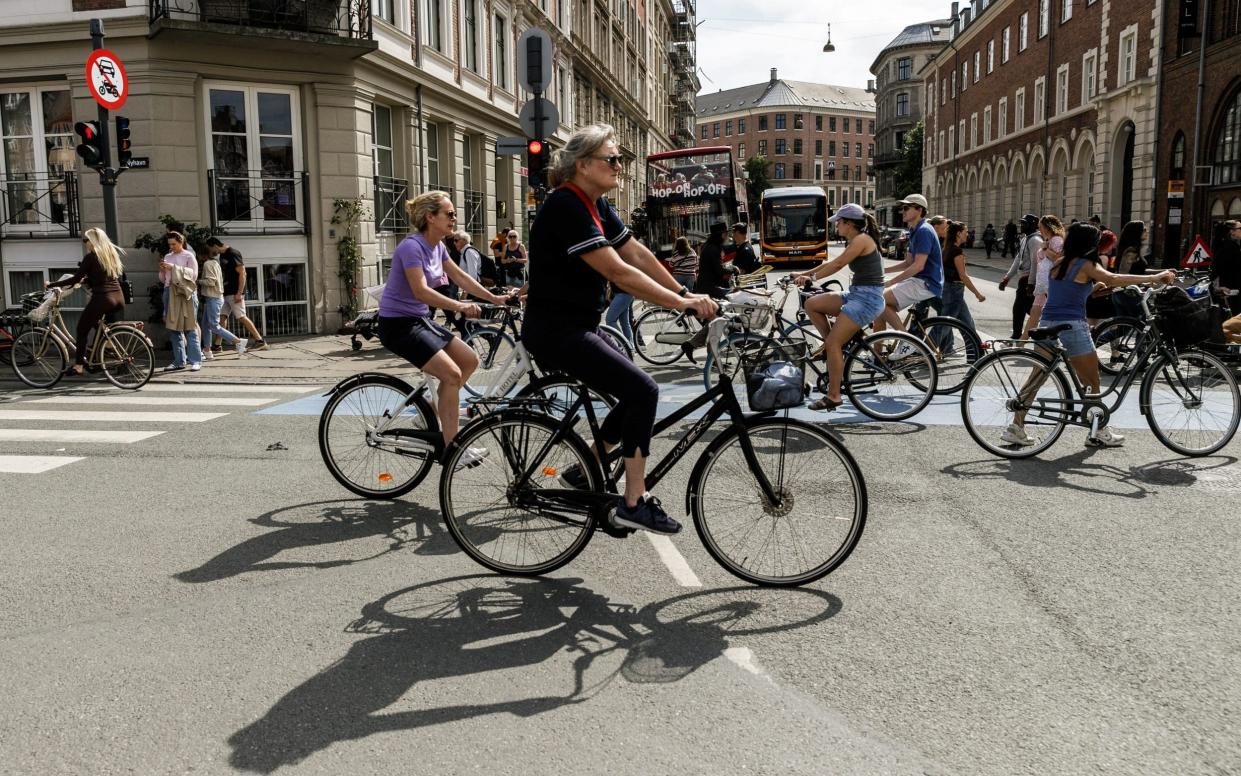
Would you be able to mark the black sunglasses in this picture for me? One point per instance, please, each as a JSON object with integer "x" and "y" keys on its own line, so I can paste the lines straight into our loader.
{"x": 615, "y": 160}
{"x": 450, "y": 214}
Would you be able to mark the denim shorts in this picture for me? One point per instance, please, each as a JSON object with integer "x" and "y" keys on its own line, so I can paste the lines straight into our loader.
{"x": 863, "y": 304}
{"x": 1075, "y": 340}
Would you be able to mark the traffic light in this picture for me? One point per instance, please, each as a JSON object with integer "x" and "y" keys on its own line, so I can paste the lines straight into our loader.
{"x": 123, "y": 152}
{"x": 91, "y": 148}
{"x": 537, "y": 154}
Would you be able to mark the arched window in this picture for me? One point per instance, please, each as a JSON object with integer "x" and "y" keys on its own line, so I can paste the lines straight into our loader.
{"x": 1228, "y": 144}
{"x": 1177, "y": 171}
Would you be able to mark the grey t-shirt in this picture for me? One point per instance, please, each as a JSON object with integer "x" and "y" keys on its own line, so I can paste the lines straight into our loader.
{"x": 867, "y": 269}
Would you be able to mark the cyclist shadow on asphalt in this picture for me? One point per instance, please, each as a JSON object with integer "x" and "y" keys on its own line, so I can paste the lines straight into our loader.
{"x": 1071, "y": 471}
{"x": 481, "y": 624}
{"x": 317, "y": 524}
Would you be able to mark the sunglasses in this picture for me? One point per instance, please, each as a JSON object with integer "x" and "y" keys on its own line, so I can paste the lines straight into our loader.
{"x": 615, "y": 160}
{"x": 451, "y": 214}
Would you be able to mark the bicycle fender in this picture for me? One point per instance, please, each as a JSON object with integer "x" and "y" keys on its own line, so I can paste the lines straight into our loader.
{"x": 379, "y": 377}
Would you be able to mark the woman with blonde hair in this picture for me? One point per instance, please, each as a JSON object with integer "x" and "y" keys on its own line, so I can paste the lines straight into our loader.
{"x": 420, "y": 267}
{"x": 1051, "y": 229}
{"x": 101, "y": 268}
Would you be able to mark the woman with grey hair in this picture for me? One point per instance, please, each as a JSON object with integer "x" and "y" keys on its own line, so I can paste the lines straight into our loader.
{"x": 577, "y": 245}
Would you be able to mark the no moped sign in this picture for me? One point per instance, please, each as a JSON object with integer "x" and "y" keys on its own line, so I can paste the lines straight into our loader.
{"x": 106, "y": 79}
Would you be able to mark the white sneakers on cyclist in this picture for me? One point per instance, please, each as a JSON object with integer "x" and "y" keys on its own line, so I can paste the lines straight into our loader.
{"x": 1105, "y": 437}
{"x": 902, "y": 352}
{"x": 1016, "y": 435}
{"x": 472, "y": 456}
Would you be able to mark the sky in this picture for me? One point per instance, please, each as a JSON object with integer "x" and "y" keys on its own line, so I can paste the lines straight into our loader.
{"x": 739, "y": 41}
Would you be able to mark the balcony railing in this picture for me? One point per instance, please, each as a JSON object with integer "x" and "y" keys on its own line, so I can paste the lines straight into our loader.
{"x": 390, "y": 196}
{"x": 335, "y": 18}
{"x": 39, "y": 205}
{"x": 259, "y": 202}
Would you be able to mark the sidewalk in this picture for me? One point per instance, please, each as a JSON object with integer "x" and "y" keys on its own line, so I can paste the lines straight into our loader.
{"x": 323, "y": 359}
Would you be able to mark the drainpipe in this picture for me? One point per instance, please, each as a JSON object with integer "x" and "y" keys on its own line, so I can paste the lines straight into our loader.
{"x": 1047, "y": 92}
{"x": 1191, "y": 188}
{"x": 422, "y": 167}
{"x": 1155, "y": 232}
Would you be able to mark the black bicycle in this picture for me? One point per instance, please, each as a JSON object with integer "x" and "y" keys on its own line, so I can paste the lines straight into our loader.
{"x": 775, "y": 501}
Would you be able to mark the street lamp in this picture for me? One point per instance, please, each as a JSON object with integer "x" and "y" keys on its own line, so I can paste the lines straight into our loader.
{"x": 828, "y": 47}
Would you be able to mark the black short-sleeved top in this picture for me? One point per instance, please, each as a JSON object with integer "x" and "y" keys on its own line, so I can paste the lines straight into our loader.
{"x": 563, "y": 287}
{"x": 230, "y": 260}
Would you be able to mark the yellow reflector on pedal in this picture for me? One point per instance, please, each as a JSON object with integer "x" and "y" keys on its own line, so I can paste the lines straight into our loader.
{"x": 550, "y": 471}
{"x": 385, "y": 477}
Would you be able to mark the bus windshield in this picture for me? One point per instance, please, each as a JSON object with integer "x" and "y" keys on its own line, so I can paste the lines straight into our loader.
{"x": 799, "y": 219}
{"x": 686, "y": 192}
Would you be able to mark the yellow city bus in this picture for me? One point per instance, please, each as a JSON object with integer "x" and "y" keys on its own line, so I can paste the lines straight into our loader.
{"x": 793, "y": 225}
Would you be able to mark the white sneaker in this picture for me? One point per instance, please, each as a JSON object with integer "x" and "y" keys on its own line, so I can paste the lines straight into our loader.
{"x": 902, "y": 352}
{"x": 241, "y": 346}
{"x": 208, "y": 355}
{"x": 1106, "y": 438}
{"x": 472, "y": 456}
{"x": 1016, "y": 435}
{"x": 195, "y": 367}
{"x": 174, "y": 367}
{"x": 433, "y": 385}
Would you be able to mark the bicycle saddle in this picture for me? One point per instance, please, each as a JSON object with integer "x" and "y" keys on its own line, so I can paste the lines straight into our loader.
{"x": 1049, "y": 332}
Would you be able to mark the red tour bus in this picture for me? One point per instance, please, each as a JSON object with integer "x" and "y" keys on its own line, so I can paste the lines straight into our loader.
{"x": 689, "y": 189}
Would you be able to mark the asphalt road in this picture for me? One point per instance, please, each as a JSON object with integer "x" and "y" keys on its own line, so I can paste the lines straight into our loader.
{"x": 209, "y": 599}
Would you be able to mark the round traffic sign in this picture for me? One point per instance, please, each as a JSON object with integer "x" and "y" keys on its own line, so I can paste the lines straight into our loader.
{"x": 105, "y": 76}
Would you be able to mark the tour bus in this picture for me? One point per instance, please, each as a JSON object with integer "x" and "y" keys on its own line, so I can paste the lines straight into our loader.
{"x": 686, "y": 191}
{"x": 793, "y": 225}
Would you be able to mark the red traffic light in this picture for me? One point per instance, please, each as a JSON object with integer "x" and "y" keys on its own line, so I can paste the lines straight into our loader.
{"x": 86, "y": 130}
{"x": 534, "y": 147}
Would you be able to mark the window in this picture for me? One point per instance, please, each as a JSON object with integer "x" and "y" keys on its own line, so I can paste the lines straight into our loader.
{"x": 870, "y": 147}
{"x": 818, "y": 148}
{"x": 383, "y": 10}
{"x": 255, "y": 156}
{"x": 943, "y": 92}
{"x": 973, "y": 131}
{"x": 779, "y": 171}
{"x": 1128, "y": 56}
{"x": 818, "y": 171}
{"x": 1227, "y": 158}
{"x": 387, "y": 216}
{"x": 797, "y": 149}
{"x": 1023, "y": 32}
{"x": 902, "y": 104}
{"x": 954, "y": 84}
{"x": 942, "y": 153}
{"x": 433, "y": 24}
{"x": 831, "y": 148}
{"x": 1062, "y": 89}
{"x": 704, "y": 131}
{"x": 986, "y": 124}
{"x": 781, "y": 146}
{"x": 857, "y": 173}
{"x": 1004, "y": 41}
{"x": 433, "y": 156}
{"x": 904, "y": 68}
{"x": 780, "y": 121}
{"x": 741, "y": 151}
{"x": 1066, "y": 10}
{"x": 871, "y": 126}
{"x": 740, "y": 126}
{"x": 36, "y": 126}
{"x": 796, "y": 170}
{"x": 930, "y": 100}
{"x": 501, "y": 54}
{"x": 1019, "y": 111}
{"x": 831, "y": 198}
{"x": 857, "y": 150}
{"x": 961, "y": 136}
{"x": 762, "y": 148}
{"x": 990, "y": 56}
{"x": 965, "y": 75}
{"x": 977, "y": 65}
{"x": 469, "y": 33}
{"x": 1090, "y": 75}
{"x": 1178, "y": 158}
{"x": 762, "y": 123}
{"x": 797, "y": 122}
{"x": 1002, "y": 121}
{"x": 715, "y": 129}
{"x": 1044, "y": 18}
{"x": 1040, "y": 99}
{"x": 857, "y": 126}
{"x": 818, "y": 123}
{"x": 831, "y": 124}
{"x": 844, "y": 172}
{"x": 952, "y": 141}
{"x": 728, "y": 128}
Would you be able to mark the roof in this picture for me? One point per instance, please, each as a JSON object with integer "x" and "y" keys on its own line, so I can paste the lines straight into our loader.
{"x": 936, "y": 32}
{"x": 784, "y": 94}
{"x": 792, "y": 191}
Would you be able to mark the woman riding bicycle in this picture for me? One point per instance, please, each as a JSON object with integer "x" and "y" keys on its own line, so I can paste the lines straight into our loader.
{"x": 101, "y": 268}
{"x": 1074, "y": 278}
{"x": 854, "y": 310}
{"x": 420, "y": 265}
{"x": 578, "y": 244}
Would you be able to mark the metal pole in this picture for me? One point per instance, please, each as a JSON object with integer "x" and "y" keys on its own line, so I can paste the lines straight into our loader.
{"x": 107, "y": 176}
{"x": 1191, "y": 186}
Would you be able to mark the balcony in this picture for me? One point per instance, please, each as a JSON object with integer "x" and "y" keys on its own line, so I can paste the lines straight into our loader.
{"x": 390, "y": 196}
{"x": 39, "y": 206}
{"x": 290, "y": 23}
{"x": 259, "y": 201}
{"x": 888, "y": 159}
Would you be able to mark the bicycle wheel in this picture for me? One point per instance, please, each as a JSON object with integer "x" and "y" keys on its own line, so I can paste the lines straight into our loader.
{"x": 890, "y": 376}
{"x": 1005, "y": 381}
{"x": 658, "y": 334}
{"x": 373, "y": 466}
{"x": 39, "y": 359}
{"x": 1114, "y": 339}
{"x": 956, "y": 348}
{"x": 127, "y": 359}
{"x": 561, "y": 392}
{"x": 501, "y": 526}
{"x": 614, "y": 337}
{"x": 493, "y": 347}
{"x": 1192, "y": 404}
{"x": 817, "y": 523}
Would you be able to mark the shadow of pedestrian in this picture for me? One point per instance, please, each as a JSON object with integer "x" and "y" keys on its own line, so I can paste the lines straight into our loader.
{"x": 480, "y": 624}
{"x": 321, "y": 523}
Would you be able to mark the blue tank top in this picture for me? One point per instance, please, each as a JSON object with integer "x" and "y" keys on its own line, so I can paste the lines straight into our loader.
{"x": 1066, "y": 299}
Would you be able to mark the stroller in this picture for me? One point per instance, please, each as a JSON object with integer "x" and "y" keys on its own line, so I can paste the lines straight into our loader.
{"x": 366, "y": 325}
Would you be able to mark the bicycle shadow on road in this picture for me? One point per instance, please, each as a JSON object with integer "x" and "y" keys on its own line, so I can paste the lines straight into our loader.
{"x": 479, "y": 624}
{"x": 1134, "y": 482}
{"x": 321, "y": 523}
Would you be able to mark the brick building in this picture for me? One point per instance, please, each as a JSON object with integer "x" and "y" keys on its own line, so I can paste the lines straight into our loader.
{"x": 1044, "y": 106}
{"x": 813, "y": 134}
{"x": 1215, "y": 193}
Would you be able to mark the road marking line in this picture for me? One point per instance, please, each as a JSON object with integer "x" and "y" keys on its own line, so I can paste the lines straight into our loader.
{"x": 213, "y": 388}
{"x": 75, "y": 436}
{"x": 744, "y": 659}
{"x": 33, "y": 464}
{"x": 674, "y": 560}
{"x": 112, "y": 417}
{"x": 147, "y": 401}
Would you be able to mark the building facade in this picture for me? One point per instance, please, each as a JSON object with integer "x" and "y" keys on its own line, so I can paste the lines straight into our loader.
{"x": 1186, "y": 204}
{"x": 898, "y": 104}
{"x": 1044, "y": 106}
{"x": 813, "y": 134}
{"x": 263, "y": 119}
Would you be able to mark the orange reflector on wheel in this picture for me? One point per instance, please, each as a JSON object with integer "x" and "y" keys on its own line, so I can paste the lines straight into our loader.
{"x": 550, "y": 471}
{"x": 385, "y": 477}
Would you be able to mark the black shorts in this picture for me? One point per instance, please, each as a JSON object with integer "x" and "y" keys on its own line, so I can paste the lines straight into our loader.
{"x": 414, "y": 339}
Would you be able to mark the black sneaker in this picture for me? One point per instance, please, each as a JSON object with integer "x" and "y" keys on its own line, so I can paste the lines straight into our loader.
{"x": 574, "y": 478}
{"x": 648, "y": 515}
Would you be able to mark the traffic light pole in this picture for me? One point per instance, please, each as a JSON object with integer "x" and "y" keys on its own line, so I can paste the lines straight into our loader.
{"x": 540, "y": 192}
{"x": 107, "y": 176}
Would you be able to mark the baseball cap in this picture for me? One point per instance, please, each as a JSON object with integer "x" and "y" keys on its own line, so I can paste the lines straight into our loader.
{"x": 851, "y": 211}
{"x": 1030, "y": 218}
{"x": 915, "y": 199}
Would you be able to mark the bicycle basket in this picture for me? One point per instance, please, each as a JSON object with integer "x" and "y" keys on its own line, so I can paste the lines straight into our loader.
{"x": 775, "y": 377}
{"x": 1184, "y": 320}
{"x": 754, "y": 309}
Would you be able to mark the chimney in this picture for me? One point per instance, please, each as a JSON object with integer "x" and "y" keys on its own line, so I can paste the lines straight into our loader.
{"x": 773, "y": 75}
{"x": 956, "y": 18}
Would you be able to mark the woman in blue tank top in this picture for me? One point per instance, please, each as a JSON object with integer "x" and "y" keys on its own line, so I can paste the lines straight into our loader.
{"x": 1078, "y": 274}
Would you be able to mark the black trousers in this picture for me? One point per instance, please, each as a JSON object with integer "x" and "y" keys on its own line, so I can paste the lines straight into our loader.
{"x": 98, "y": 306}
{"x": 1022, "y": 305}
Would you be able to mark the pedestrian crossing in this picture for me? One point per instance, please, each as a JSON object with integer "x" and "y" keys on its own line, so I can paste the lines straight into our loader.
{"x": 71, "y": 424}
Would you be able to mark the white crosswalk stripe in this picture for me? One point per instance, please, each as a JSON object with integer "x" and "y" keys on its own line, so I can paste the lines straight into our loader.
{"x": 71, "y": 410}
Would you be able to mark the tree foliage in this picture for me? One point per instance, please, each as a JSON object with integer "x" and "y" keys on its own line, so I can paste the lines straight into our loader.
{"x": 757, "y": 167}
{"x": 909, "y": 171}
